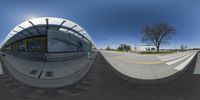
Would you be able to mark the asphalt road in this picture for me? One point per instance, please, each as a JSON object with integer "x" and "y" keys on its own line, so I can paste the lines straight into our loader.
{"x": 102, "y": 83}
{"x": 149, "y": 67}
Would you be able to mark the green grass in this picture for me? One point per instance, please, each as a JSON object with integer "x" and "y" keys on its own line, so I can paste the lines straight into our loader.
{"x": 119, "y": 51}
{"x": 161, "y": 52}
{"x": 148, "y": 52}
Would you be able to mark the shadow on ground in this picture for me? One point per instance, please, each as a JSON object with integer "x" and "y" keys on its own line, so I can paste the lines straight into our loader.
{"x": 102, "y": 83}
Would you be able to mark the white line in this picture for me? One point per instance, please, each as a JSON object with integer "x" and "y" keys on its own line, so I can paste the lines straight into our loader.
{"x": 177, "y": 60}
{"x": 167, "y": 56}
{"x": 1, "y": 70}
{"x": 171, "y": 58}
{"x": 171, "y": 55}
{"x": 181, "y": 66}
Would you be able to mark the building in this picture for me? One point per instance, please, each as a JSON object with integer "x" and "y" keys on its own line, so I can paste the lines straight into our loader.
{"x": 146, "y": 48}
{"x": 57, "y": 52}
{"x": 38, "y": 38}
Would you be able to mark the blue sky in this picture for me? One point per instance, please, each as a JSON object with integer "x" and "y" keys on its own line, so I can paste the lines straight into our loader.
{"x": 111, "y": 22}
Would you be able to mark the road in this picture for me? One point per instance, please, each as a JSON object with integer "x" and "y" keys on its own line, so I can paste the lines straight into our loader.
{"x": 102, "y": 83}
{"x": 152, "y": 68}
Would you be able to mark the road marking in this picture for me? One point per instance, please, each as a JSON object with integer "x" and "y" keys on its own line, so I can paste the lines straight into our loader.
{"x": 1, "y": 70}
{"x": 167, "y": 56}
{"x": 177, "y": 60}
{"x": 139, "y": 62}
{"x": 186, "y": 62}
{"x": 174, "y": 57}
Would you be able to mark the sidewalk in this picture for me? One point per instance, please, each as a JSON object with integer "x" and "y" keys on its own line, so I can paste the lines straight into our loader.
{"x": 197, "y": 66}
{"x": 1, "y": 70}
{"x": 47, "y": 74}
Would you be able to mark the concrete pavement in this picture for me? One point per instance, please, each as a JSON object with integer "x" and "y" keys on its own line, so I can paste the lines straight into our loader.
{"x": 149, "y": 69}
{"x": 1, "y": 70}
{"x": 105, "y": 84}
{"x": 47, "y": 74}
{"x": 197, "y": 65}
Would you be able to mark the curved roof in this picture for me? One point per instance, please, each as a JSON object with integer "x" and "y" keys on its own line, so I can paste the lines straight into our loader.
{"x": 37, "y": 26}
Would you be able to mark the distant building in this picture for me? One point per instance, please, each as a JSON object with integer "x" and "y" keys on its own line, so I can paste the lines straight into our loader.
{"x": 147, "y": 48}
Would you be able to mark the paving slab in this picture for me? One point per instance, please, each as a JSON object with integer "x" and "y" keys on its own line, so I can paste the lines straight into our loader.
{"x": 1, "y": 70}
{"x": 197, "y": 66}
{"x": 47, "y": 74}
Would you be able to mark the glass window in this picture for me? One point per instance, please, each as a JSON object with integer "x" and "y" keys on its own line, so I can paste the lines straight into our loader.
{"x": 60, "y": 41}
{"x": 22, "y": 46}
{"x": 34, "y": 44}
{"x": 152, "y": 48}
{"x": 42, "y": 29}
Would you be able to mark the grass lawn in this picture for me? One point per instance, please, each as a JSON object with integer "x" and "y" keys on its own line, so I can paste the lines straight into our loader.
{"x": 161, "y": 52}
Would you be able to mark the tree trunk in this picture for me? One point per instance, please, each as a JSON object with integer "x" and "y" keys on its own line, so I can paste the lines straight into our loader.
{"x": 158, "y": 48}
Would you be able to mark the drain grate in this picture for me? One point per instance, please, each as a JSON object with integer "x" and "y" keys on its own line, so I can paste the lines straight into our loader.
{"x": 3, "y": 54}
{"x": 33, "y": 72}
{"x": 49, "y": 74}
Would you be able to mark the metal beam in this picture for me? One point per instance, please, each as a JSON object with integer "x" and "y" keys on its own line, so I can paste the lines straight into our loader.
{"x": 34, "y": 27}
{"x": 19, "y": 33}
{"x": 26, "y": 30}
{"x": 68, "y": 39}
{"x": 46, "y": 42}
{"x": 80, "y": 31}
{"x": 72, "y": 27}
{"x": 61, "y": 24}
{"x": 77, "y": 32}
{"x": 15, "y": 31}
{"x": 12, "y": 35}
{"x": 22, "y": 34}
{"x": 47, "y": 25}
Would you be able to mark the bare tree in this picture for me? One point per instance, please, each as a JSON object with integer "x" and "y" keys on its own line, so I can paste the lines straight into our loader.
{"x": 124, "y": 47}
{"x": 157, "y": 34}
{"x": 108, "y": 47}
{"x": 183, "y": 47}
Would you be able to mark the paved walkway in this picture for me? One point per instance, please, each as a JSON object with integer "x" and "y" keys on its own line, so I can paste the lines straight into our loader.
{"x": 152, "y": 68}
{"x": 197, "y": 66}
{"x": 47, "y": 74}
{"x": 1, "y": 70}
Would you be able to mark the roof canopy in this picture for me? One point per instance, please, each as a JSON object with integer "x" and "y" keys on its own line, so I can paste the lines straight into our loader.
{"x": 38, "y": 26}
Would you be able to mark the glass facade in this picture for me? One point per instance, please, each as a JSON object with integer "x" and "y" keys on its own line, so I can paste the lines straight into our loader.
{"x": 48, "y": 35}
{"x": 29, "y": 44}
{"x": 33, "y": 44}
{"x": 62, "y": 41}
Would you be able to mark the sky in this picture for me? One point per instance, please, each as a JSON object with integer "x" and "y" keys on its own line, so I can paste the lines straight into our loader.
{"x": 111, "y": 22}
